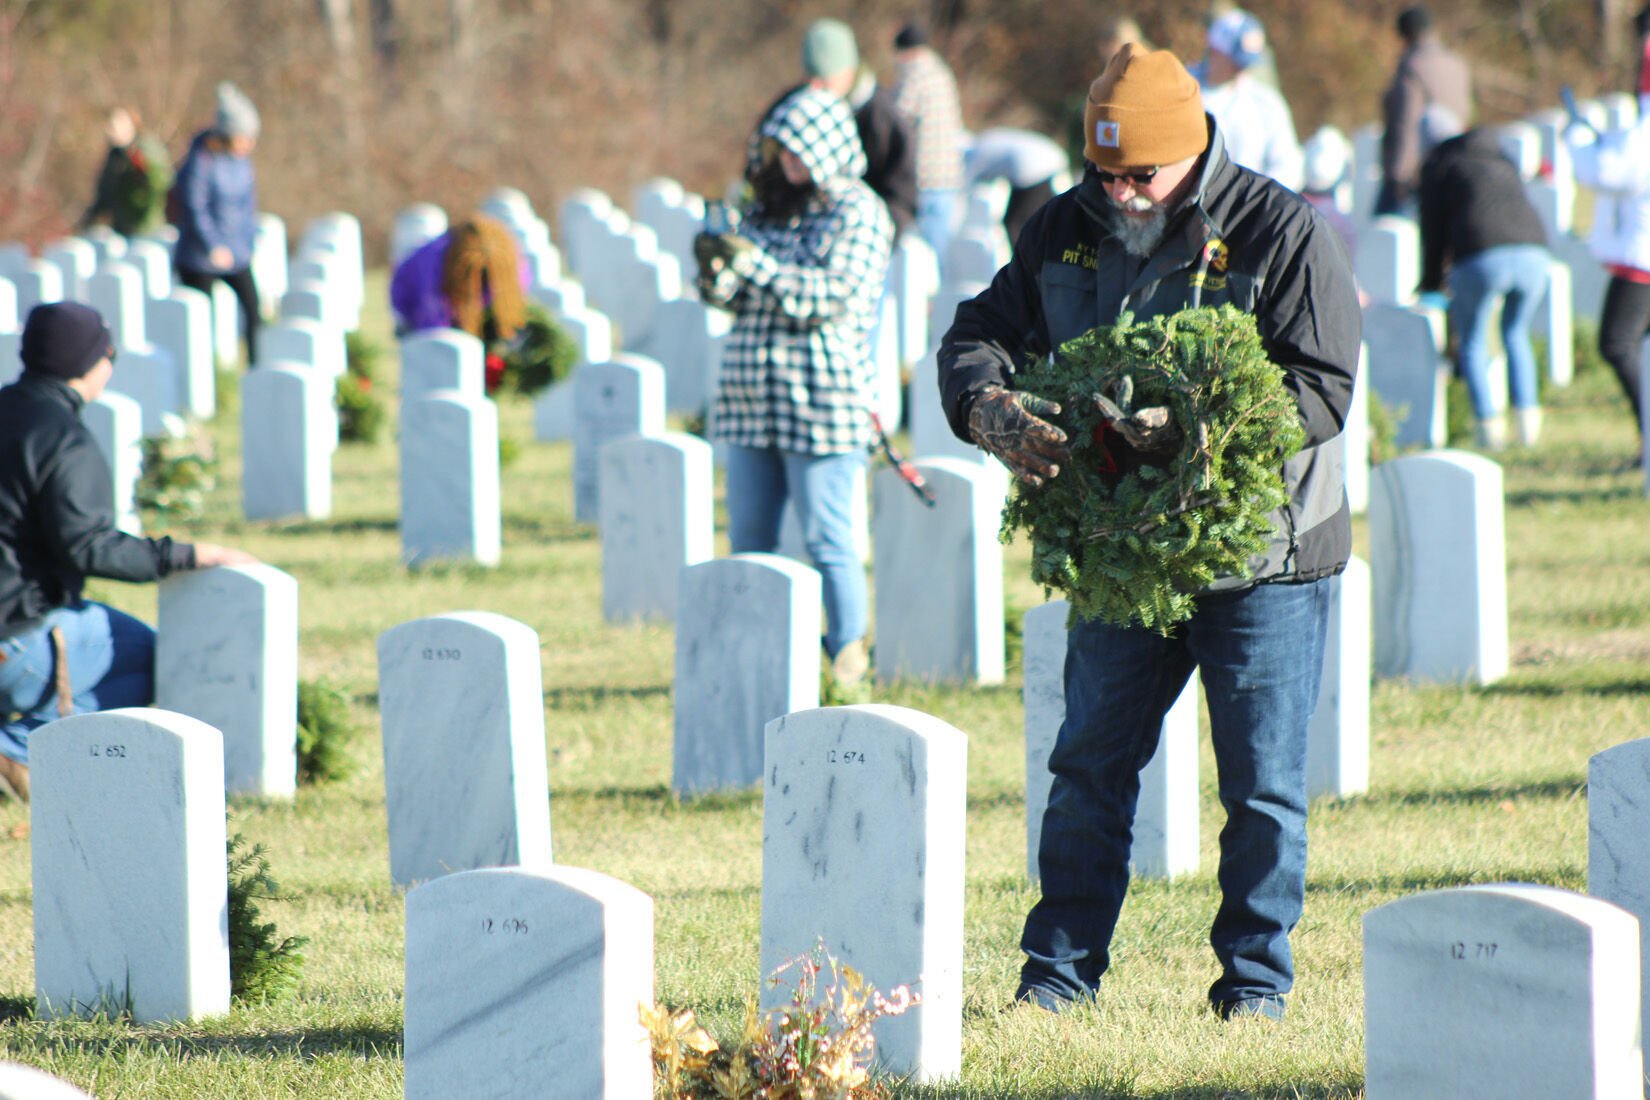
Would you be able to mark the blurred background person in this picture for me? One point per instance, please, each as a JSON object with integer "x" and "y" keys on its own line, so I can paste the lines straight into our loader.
{"x": 1257, "y": 124}
{"x": 1482, "y": 238}
{"x": 1616, "y": 165}
{"x": 1034, "y": 164}
{"x": 1326, "y": 171}
{"x": 217, "y": 207}
{"x": 926, "y": 92}
{"x": 132, "y": 186}
{"x": 472, "y": 277}
{"x": 1429, "y": 100}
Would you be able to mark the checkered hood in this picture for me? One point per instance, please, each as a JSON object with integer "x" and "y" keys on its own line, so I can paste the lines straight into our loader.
{"x": 818, "y": 127}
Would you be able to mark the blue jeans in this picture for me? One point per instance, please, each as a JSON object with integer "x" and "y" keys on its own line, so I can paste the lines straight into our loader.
{"x": 111, "y": 664}
{"x": 1514, "y": 275}
{"x": 937, "y": 219}
{"x": 821, "y": 489}
{"x": 1260, "y": 653}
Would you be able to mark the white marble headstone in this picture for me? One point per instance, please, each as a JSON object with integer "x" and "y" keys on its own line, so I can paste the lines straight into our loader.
{"x": 289, "y": 429}
{"x": 555, "y": 410}
{"x": 442, "y": 359}
{"x": 1439, "y": 561}
{"x": 916, "y": 278}
{"x": 1556, "y": 321}
{"x": 611, "y": 400}
{"x": 525, "y": 983}
{"x": 153, "y": 262}
{"x": 939, "y": 574}
{"x": 130, "y": 891}
{"x": 930, "y": 432}
{"x": 1404, "y": 353}
{"x": 943, "y": 311}
{"x": 76, "y": 261}
{"x": 685, "y": 336}
{"x": 1337, "y": 740}
{"x": 227, "y": 325}
{"x": 1043, "y": 694}
{"x": 863, "y": 821}
{"x": 116, "y": 422}
{"x": 226, "y": 652}
{"x": 414, "y": 227}
{"x": 11, "y": 363}
{"x": 449, "y": 479}
{"x": 269, "y": 261}
{"x": 150, "y": 376}
{"x": 181, "y": 324}
{"x": 1513, "y": 991}
{"x": 1388, "y": 262}
{"x": 747, "y": 651}
{"x": 9, "y": 320}
{"x": 19, "y": 1082}
{"x": 299, "y": 341}
{"x": 1618, "y": 839}
{"x": 37, "y": 283}
{"x": 116, "y": 291}
{"x": 461, "y": 700}
{"x": 975, "y": 254}
{"x": 657, "y": 516}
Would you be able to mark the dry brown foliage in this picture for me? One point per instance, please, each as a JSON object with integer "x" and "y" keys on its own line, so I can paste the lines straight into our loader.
{"x": 451, "y": 99}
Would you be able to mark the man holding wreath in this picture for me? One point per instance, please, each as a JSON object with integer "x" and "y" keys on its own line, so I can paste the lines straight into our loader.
{"x": 1163, "y": 221}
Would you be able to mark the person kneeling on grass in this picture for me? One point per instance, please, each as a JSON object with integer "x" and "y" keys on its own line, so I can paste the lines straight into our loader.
{"x": 61, "y": 654}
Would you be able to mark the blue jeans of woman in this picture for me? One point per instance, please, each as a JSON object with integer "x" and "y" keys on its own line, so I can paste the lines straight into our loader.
{"x": 820, "y": 488}
{"x": 1513, "y": 276}
{"x": 1260, "y": 653}
{"x": 111, "y": 664}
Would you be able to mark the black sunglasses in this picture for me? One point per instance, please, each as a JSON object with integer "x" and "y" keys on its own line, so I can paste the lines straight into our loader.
{"x": 1139, "y": 179}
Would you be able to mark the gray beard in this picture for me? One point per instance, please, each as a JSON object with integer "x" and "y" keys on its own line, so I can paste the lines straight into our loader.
{"x": 1138, "y": 236}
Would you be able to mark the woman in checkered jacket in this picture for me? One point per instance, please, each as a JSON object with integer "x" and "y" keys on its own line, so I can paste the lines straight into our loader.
{"x": 803, "y": 273}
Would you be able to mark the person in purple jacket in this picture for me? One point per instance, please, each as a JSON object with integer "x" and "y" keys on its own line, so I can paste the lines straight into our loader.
{"x": 216, "y": 207}
{"x": 472, "y": 277}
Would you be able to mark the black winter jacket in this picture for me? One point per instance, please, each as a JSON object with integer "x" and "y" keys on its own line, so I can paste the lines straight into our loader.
{"x": 1241, "y": 239}
{"x": 1472, "y": 200}
{"x": 57, "y": 509}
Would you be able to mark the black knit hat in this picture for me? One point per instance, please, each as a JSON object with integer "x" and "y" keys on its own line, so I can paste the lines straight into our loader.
{"x": 1641, "y": 21}
{"x": 1413, "y": 22}
{"x": 912, "y": 34}
{"x": 64, "y": 340}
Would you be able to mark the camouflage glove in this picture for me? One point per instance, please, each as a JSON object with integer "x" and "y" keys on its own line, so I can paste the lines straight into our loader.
{"x": 1151, "y": 431}
{"x": 1010, "y": 425}
{"x": 724, "y": 259}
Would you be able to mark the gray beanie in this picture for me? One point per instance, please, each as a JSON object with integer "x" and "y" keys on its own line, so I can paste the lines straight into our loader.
{"x": 829, "y": 48}
{"x": 237, "y": 117}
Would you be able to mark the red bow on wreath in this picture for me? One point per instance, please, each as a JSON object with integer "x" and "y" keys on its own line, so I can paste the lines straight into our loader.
{"x": 493, "y": 374}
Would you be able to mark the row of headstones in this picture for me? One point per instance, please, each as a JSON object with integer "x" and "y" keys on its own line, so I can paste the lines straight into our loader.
{"x": 1524, "y": 991}
{"x": 864, "y": 812}
{"x": 1516, "y": 990}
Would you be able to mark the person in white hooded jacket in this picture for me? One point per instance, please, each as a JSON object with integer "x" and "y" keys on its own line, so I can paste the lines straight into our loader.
{"x": 1616, "y": 165}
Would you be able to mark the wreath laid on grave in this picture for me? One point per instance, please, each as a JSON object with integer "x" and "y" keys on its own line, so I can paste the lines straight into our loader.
{"x": 178, "y": 471}
{"x": 539, "y": 354}
{"x": 1131, "y": 542}
{"x": 360, "y": 409}
{"x": 324, "y": 728}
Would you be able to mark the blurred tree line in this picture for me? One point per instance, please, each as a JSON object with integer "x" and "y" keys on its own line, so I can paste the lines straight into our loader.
{"x": 369, "y": 105}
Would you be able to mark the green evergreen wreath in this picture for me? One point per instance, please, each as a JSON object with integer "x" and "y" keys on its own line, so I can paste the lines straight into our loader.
{"x": 1133, "y": 546}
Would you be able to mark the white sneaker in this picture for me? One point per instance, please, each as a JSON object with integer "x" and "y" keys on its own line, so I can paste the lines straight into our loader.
{"x": 1492, "y": 434}
{"x": 1529, "y": 425}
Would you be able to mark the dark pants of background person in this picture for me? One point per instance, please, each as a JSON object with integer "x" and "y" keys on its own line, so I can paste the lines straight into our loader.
{"x": 1022, "y": 203}
{"x": 246, "y": 292}
{"x": 1621, "y": 333}
{"x": 1260, "y": 653}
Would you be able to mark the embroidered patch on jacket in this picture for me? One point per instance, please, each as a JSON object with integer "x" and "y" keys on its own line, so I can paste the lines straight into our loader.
{"x": 1217, "y": 254}
{"x": 1106, "y": 135}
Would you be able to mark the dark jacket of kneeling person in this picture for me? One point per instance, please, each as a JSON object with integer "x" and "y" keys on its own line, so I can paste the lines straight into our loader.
{"x": 57, "y": 508}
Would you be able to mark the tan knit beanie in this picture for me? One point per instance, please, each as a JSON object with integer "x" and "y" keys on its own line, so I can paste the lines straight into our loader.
{"x": 1144, "y": 111}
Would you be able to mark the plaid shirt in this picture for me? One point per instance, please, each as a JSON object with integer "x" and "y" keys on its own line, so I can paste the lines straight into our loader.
{"x": 795, "y": 370}
{"x": 927, "y": 92}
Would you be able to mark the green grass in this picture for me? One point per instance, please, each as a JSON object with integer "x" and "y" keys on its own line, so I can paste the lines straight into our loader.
{"x": 1467, "y": 786}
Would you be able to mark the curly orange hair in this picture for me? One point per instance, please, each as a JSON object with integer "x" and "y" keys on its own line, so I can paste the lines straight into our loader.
{"x": 481, "y": 260}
